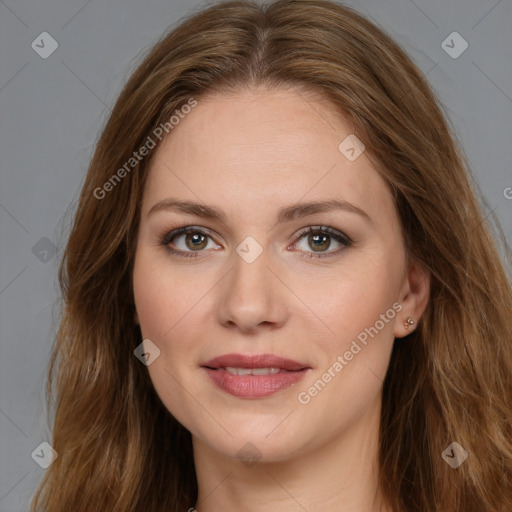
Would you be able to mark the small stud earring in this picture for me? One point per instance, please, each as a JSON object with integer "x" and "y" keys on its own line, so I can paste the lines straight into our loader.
{"x": 408, "y": 323}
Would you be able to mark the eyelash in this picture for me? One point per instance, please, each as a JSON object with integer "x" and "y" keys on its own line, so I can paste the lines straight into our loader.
{"x": 337, "y": 235}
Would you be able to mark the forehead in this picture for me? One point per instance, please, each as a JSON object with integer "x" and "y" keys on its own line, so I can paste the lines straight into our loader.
{"x": 259, "y": 150}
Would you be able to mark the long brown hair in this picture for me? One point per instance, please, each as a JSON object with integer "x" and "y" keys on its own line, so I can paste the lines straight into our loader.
{"x": 118, "y": 448}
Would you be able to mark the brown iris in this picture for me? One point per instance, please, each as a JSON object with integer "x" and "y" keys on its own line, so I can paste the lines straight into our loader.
{"x": 197, "y": 239}
{"x": 312, "y": 239}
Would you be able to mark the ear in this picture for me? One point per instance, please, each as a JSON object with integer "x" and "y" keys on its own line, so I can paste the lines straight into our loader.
{"x": 414, "y": 296}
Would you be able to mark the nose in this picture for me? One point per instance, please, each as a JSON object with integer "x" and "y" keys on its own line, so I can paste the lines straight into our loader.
{"x": 252, "y": 296}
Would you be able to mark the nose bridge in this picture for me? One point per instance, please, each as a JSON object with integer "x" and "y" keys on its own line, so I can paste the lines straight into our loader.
{"x": 250, "y": 280}
{"x": 252, "y": 294}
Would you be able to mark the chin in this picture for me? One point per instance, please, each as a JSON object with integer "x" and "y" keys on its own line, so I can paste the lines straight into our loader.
{"x": 254, "y": 443}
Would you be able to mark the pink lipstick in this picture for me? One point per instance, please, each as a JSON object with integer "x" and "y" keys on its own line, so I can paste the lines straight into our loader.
{"x": 254, "y": 376}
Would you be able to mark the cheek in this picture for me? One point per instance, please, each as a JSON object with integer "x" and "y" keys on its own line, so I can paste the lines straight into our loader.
{"x": 357, "y": 297}
{"x": 355, "y": 360}
{"x": 360, "y": 309}
{"x": 162, "y": 311}
{"x": 150, "y": 300}
{"x": 172, "y": 314}
{"x": 162, "y": 298}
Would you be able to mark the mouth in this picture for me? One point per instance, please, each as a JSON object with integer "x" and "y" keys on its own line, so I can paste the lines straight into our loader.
{"x": 254, "y": 362}
{"x": 250, "y": 371}
{"x": 254, "y": 376}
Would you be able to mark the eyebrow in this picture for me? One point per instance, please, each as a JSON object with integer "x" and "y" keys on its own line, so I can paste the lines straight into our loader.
{"x": 286, "y": 214}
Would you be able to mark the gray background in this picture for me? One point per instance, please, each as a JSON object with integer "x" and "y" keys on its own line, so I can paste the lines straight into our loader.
{"x": 51, "y": 113}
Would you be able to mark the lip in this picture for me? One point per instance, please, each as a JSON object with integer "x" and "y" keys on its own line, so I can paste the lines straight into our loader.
{"x": 254, "y": 386}
{"x": 255, "y": 361}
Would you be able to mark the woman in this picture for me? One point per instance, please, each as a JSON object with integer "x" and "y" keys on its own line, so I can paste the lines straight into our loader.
{"x": 280, "y": 289}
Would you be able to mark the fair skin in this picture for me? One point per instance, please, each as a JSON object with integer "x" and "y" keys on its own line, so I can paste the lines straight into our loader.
{"x": 250, "y": 154}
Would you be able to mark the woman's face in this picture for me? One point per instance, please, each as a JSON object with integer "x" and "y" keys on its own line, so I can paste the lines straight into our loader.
{"x": 250, "y": 282}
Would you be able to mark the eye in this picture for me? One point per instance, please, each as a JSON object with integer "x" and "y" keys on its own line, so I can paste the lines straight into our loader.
{"x": 193, "y": 241}
{"x": 320, "y": 238}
